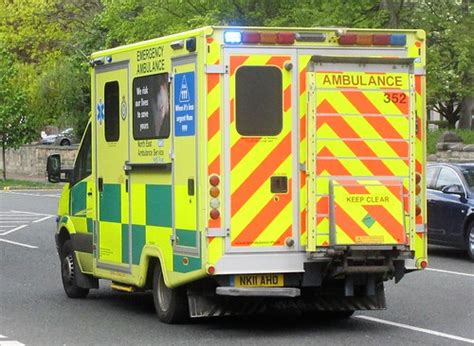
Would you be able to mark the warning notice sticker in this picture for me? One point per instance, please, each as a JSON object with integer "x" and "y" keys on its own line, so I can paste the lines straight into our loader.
{"x": 184, "y": 104}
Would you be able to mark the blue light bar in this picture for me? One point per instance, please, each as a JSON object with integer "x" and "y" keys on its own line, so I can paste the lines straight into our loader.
{"x": 232, "y": 37}
{"x": 398, "y": 40}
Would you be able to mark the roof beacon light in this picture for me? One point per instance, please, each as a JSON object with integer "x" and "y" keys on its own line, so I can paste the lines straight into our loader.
{"x": 381, "y": 40}
{"x": 251, "y": 37}
{"x": 347, "y": 39}
{"x": 268, "y": 37}
{"x": 364, "y": 40}
{"x": 286, "y": 37}
{"x": 232, "y": 37}
{"x": 398, "y": 40}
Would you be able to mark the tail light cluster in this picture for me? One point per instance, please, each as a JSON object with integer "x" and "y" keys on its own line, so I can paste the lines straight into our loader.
{"x": 214, "y": 193}
{"x": 373, "y": 39}
{"x": 418, "y": 191}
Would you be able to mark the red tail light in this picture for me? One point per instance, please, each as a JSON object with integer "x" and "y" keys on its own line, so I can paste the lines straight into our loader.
{"x": 214, "y": 180}
{"x": 214, "y": 214}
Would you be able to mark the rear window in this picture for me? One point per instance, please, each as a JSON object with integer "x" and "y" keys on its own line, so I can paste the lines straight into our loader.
{"x": 259, "y": 101}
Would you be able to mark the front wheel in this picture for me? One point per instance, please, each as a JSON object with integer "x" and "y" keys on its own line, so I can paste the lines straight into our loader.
{"x": 171, "y": 304}
{"x": 470, "y": 241}
{"x": 69, "y": 271}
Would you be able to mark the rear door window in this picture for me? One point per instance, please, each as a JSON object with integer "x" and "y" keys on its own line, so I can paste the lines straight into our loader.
{"x": 112, "y": 125}
{"x": 259, "y": 101}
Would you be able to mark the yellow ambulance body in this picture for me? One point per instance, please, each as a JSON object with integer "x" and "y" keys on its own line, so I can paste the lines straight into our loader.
{"x": 230, "y": 164}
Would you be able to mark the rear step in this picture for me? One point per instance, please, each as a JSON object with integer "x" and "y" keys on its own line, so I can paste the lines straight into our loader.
{"x": 123, "y": 288}
{"x": 289, "y": 292}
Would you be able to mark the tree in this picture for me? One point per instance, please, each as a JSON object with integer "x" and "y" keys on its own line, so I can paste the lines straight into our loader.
{"x": 15, "y": 126}
{"x": 450, "y": 54}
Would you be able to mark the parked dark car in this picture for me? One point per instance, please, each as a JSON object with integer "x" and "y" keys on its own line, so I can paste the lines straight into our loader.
{"x": 450, "y": 197}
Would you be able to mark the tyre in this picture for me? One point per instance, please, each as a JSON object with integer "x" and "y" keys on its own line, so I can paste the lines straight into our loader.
{"x": 65, "y": 142}
{"x": 470, "y": 241}
{"x": 171, "y": 304}
{"x": 69, "y": 269}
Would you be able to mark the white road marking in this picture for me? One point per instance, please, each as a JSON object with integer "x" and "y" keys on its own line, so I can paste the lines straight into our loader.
{"x": 30, "y": 194}
{"x": 416, "y": 329}
{"x": 11, "y": 343}
{"x": 14, "y": 230}
{"x": 29, "y": 212}
{"x": 17, "y": 243}
{"x": 44, "y": 218}
{"x": 449, "y": 272}
{"x": 2, "y": 336}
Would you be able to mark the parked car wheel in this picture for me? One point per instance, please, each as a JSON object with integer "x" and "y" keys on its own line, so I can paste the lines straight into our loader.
{"x": 65, "y": 142}
{"x": 171, "y": 304}
{"x": 470, "y": 241}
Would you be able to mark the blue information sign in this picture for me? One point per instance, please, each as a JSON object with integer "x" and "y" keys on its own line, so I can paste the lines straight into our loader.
{"x": 184, "y": 104}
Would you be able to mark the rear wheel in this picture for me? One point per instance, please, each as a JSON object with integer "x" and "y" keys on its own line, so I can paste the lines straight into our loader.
{"x": 65, "y": 142}
{"x": 171, "y": 304}
{"x": 69, "y": 272}
{"x": 470, "y": 241}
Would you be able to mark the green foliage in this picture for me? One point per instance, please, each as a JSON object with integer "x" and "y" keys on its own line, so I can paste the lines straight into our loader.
{"x": 50, "y": 40}
{"x": 15, "y": 125}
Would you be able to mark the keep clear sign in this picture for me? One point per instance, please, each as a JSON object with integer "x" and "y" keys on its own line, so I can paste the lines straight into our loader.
{"x": 184, "y": 104}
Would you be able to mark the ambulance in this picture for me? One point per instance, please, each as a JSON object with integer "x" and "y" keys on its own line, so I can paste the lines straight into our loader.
{"x": 238, "y": 170}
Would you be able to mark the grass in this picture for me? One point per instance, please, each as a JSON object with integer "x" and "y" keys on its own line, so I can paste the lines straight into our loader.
{"x": 26, "y": 184}
{"x": 433, "y": 136}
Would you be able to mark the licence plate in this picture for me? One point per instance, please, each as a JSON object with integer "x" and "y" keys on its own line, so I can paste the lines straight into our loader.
{"x": 259, "y": 280}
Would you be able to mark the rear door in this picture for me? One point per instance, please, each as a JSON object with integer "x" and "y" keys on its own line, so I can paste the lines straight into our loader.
{"x": 361, "y": 165}
{"x": 258, "y": 142}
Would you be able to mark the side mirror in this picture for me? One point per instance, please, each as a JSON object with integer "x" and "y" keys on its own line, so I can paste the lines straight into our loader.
{"x": 453, "y": 189}
{"x": 53, "y": 167}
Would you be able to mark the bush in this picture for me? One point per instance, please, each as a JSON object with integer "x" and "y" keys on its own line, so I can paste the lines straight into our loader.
{"x": 433, "y": 136}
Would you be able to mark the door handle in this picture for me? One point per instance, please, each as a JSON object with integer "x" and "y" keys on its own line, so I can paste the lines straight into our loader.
{"x": 100, "y": 184}
{"x": 191, "y": 186}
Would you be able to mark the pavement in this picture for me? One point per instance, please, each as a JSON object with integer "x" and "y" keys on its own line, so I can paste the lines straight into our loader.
{"x": 431, "y": 307}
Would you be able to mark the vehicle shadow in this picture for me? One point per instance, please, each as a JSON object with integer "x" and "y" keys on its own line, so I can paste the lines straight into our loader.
{"x": 447, "y": 252}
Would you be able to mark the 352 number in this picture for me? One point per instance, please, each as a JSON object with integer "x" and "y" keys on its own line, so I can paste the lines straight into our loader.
{"x": 395, "y": 98}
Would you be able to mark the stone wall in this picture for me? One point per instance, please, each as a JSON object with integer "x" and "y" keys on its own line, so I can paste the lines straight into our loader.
{"x": 453, "y": 152}
{"x": 31, "y": 159}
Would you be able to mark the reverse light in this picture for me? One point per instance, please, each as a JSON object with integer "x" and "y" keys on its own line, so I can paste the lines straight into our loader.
{"x": 232, "y": 37}
{"x": 214, "y": 203}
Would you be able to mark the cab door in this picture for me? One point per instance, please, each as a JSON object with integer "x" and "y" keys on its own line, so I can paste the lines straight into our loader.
{"x": 112, "y": 151}
{"x": 260, "y": 147}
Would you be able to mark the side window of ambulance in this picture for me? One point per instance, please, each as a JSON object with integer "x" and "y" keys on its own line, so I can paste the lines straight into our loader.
{"x": 151, "y": 107}
{"x": 112, "y": 106}
{"x": 258, "y": 101}
{"x": 83, "y": 164}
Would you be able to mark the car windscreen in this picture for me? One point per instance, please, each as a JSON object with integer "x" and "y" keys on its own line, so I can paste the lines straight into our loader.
{"x": 468, "y": 173}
